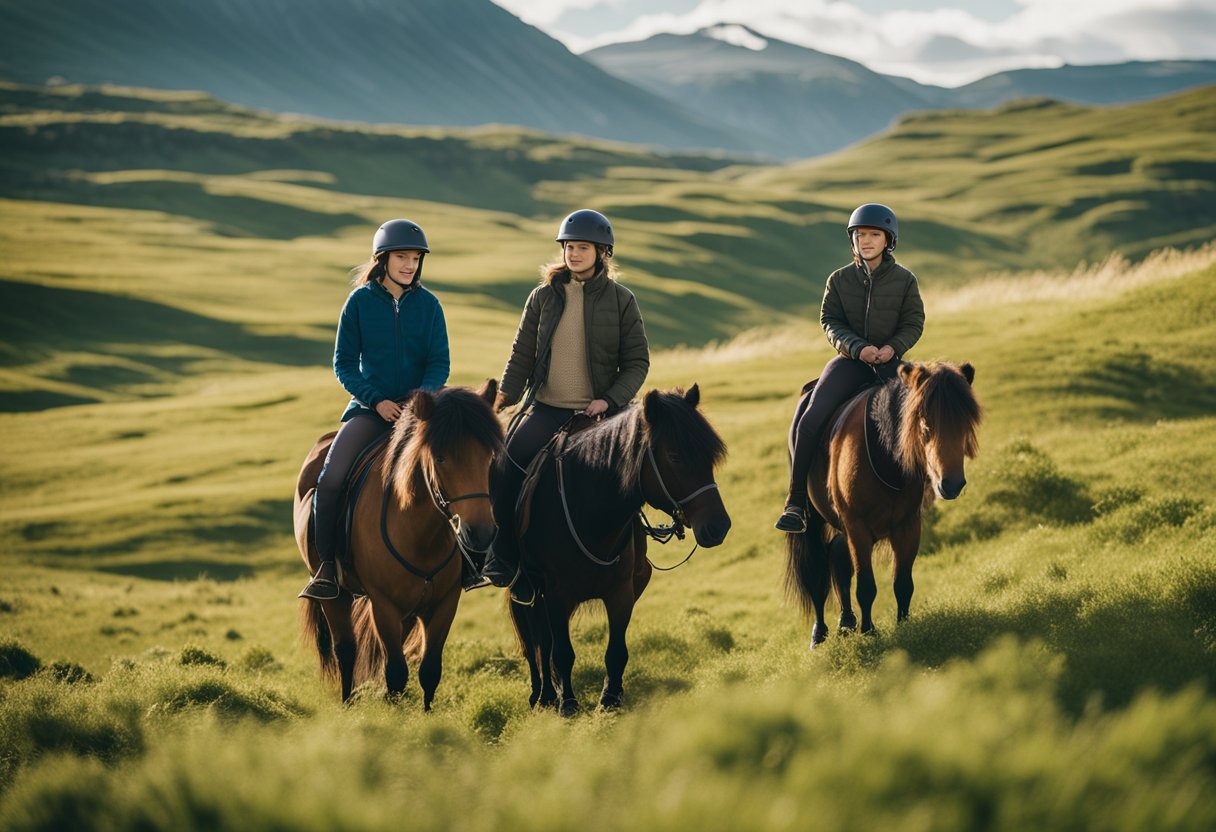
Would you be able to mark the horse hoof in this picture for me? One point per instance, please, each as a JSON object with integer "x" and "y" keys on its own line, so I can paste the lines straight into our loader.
{"x": 819, "y": 634}
{"x": 611, "y": 701}
{"x": 848, "y": 622}
{"x": 569, "y": 708}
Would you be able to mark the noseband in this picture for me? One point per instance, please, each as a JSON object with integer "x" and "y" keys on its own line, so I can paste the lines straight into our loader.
{"x": 677, "y": 512}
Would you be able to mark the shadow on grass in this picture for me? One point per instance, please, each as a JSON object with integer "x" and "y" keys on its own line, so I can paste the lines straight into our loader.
{"x": 1158, "y": 634}
{"x": 181, "y": 570}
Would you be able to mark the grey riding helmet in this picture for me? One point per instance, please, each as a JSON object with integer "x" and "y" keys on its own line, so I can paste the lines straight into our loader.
{"x": 399, "y": 235}
{"x": 875, "y": 215}
{"x": 587, "y": 226}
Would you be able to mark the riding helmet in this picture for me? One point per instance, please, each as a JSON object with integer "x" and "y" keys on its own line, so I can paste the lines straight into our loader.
{"x": 399, "y": 235}
{"x": 587, "y": 226}
{"x": 875, "y": 215}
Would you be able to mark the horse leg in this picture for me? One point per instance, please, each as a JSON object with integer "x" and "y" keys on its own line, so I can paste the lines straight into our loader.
{"x": 562, "y": 653}
{"x": 905, "y": 542}
{"x": 861, "y": 547}
{"x": 430, "y": 669}
{"x": 390, "y": 631}
{"x": 526, "y": 625}
{"x": 342, "y": 636}
{"x": 842, "y": 577}
{"x": 620, "y": 610}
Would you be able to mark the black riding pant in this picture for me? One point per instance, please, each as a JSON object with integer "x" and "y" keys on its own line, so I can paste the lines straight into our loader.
{"x": 355, "y": 434}
{"x": 536, "y": 428}
{"x": 841, "y": 379}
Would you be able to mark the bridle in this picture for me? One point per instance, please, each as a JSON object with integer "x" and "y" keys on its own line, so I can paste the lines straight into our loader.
{"x": 661, "y": 534}
{"x": 443, "y": 503}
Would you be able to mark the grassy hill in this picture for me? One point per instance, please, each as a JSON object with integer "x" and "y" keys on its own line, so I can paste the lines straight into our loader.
{"x": 171, "y": 275}
{"x": 1058, "y": 669}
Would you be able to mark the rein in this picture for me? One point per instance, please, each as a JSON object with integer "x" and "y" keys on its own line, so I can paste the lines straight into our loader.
{"x": 660, "y": 534}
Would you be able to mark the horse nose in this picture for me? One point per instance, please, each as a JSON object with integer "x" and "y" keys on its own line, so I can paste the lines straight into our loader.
{"x": 477, "y": 537}
{"x": 713, "y": 532}
{"x": 951, "y": 487}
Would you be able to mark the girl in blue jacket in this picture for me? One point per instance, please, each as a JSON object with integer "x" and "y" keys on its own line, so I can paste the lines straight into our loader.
{"x": 392, "y": 339}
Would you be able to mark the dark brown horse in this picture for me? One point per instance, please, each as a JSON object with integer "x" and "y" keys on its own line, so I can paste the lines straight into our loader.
{"x": 424, "y": 505}
{"x": 584, "y": 541}
{"x": 886, "y": 454}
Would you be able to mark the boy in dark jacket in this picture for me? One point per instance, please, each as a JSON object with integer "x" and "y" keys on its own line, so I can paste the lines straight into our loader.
{"x": 872, "y": 315}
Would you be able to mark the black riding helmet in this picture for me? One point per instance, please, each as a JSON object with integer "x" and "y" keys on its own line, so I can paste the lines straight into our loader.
{"x": 875, "y": 215}
{"x": 400, "y": 235}
{"x": 587, "y": 226}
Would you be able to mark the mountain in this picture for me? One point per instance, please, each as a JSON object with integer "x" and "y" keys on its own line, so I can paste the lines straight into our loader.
{"x": 1106, "y": 84}
{"x": 803, "y": 102}
{"x": 422, "y": 62}
{"x": 806, "y": 103}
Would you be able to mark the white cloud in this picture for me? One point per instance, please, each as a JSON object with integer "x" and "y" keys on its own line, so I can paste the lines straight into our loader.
{"x": 925, "y": 43}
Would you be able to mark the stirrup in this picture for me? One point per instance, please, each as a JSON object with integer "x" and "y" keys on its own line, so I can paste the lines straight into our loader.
{"x": 792, "y": 520}
{"x": 523, "y": 591}
{"x": 320, "y": 588}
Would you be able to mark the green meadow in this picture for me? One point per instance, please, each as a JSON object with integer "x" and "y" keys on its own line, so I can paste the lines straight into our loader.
{"x": 170, "y": 277}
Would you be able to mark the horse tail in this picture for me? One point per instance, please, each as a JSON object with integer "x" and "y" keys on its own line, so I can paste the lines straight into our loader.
{"x": 807, "y": 565}
{"x": 314, "y": 631}
{"x": 370, "y": 655}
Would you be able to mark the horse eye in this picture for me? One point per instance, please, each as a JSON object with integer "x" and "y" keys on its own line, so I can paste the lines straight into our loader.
{"x": 675, "y": 458}
{"x": 439, "y": 460}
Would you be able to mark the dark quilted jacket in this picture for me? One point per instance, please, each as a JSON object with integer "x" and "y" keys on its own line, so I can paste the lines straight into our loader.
{"x": 882, "y": 308}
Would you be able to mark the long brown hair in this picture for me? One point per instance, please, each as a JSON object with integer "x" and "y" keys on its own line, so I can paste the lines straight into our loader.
{"x": 555, "y": 270}
{"x": 369, "y": 270}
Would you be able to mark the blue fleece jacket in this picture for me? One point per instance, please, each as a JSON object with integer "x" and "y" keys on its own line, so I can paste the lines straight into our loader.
{"x": 388, "y": 348}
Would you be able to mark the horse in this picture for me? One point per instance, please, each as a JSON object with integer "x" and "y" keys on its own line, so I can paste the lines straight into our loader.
{"x": 584, "y": 538}
{"x": 887, "y": 453}
{"x": 407, "y": 540}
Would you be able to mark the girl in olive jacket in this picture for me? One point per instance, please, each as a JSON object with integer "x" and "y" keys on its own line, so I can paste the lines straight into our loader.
{"x": 872, "y": 314}
{"x": 580, "y": 348}
{"x": 392, "y": 339}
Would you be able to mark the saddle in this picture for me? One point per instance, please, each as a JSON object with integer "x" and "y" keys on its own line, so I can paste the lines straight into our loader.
{"x": 882, "y": 461}
{"x": 352, "y": 487}
{"x": 551, "y": 451}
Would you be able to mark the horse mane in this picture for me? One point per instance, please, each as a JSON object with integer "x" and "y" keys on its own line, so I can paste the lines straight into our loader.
{"x": 618, "y": 444}
{"x": 939, "y": 395}
{"x": 457, "y": 415}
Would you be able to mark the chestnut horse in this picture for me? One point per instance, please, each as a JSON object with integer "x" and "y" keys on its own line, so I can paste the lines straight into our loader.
{"x": 887, "y": 453}
{"x": 424, "y": 506}
{"x": 584, "y": 540}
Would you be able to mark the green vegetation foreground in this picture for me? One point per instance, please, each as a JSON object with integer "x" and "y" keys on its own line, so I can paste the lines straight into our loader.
{"x": 1059, "y": 669}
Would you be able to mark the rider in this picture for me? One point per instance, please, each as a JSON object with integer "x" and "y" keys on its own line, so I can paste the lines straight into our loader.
{"x": 392, "y": 339}
{"x": 872, "y": 314}
{"x": 580, "y": 348}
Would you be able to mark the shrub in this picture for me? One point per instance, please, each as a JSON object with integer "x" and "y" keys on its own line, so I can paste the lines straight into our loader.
{"x": 16, "y": 662}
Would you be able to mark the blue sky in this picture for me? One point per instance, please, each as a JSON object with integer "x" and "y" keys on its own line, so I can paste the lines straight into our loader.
{"x": 929, "y": 40}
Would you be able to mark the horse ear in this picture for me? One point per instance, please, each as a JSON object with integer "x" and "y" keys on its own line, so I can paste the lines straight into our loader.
{"x": 422, "y": 404}
{"x": 489, "y": 391}
{"x": 906, "y": 372}
{"x": 968, "y": 372}
{"x": 693, "y": 396}
{"x": 651, "y": 405}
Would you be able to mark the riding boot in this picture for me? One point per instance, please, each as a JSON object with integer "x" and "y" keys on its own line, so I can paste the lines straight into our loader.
{"x": 324, "y": 583}
{"x": 471, "y": 577}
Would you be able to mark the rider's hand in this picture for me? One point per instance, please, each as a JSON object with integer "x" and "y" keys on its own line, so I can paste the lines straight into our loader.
{"x": 596, "y": 407}
{"x": 869, "y": 354}
{"x": 388, "y": 409}
{"x": 500, "y": 402}
{"x": 885, "y": 354}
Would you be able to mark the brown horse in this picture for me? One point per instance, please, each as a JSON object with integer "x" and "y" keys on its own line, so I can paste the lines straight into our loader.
{"x": 406, "y": 541}
{"x": 888, "y": 452}
{"x": 584, "y": 541}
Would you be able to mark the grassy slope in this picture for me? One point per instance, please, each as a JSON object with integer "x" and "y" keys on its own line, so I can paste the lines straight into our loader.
{"x": 1072, "y": 580}
{"x": 1021, "y": 691}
